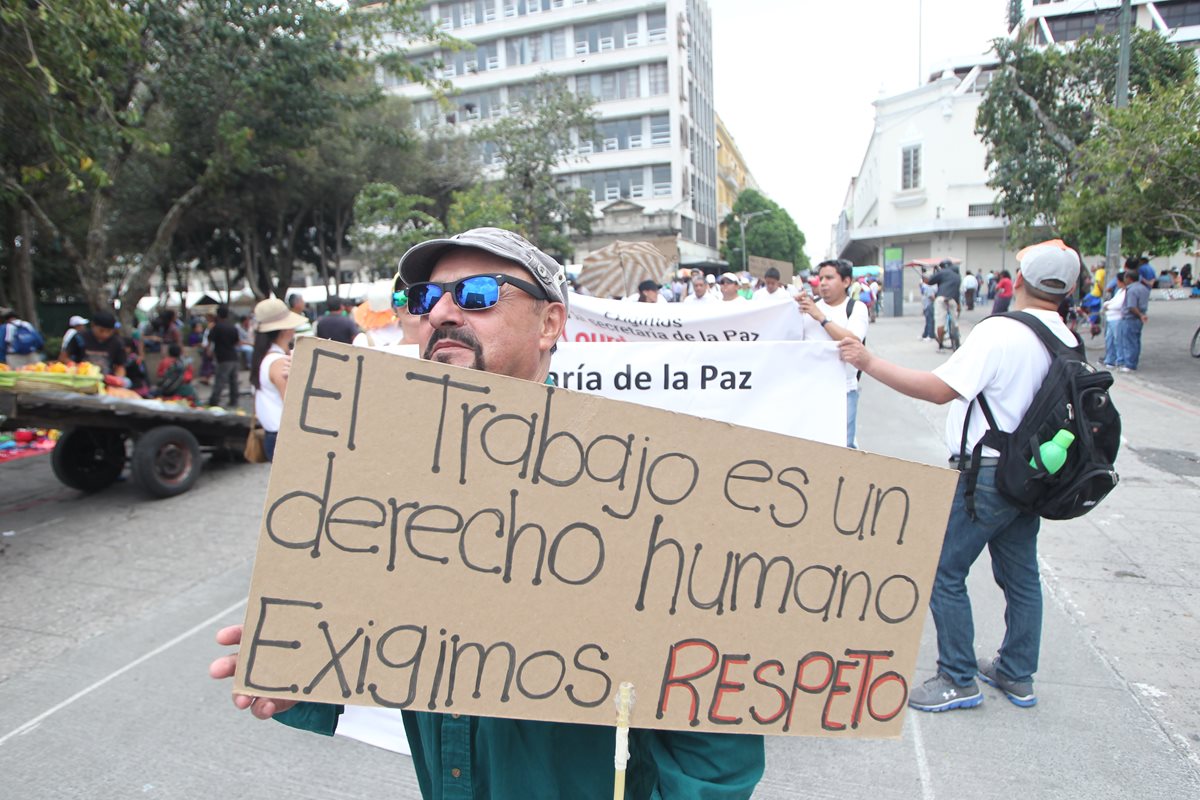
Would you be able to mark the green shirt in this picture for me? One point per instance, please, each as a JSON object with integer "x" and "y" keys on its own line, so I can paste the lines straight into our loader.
{"x": 483, "y": 758}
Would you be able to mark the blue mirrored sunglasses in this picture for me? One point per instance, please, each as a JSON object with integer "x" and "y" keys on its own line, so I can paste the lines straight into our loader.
{"x": 473, "y": 293}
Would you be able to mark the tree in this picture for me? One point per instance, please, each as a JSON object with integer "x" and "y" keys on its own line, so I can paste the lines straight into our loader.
{"x": 1042, "y": 105}
{"x": 1140, "y": 170}
{"x": 481, "y": 206}
{"x": 387, "y": 223}
{"x": 538, "y": 135}
{"x": 771, "y": 235}
{"x": 242, "y": 90}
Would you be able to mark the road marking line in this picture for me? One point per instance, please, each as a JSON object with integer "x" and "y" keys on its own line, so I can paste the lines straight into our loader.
{"x": 922, "y": 759}
{"x": 31, "y": 724}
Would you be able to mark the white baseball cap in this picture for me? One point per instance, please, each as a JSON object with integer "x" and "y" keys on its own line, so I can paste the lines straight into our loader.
{"x": 1050, "y": 266}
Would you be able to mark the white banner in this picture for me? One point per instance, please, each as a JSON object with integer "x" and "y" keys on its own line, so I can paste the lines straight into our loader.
{"x": 793, "y": 388}
{"x": 594, "y": 319}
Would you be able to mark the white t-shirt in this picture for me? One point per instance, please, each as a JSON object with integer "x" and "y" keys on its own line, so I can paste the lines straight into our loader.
{"x": 1006, "y": 362}
{"x": 780, "y": 293}
{"x": 1114, "y": 308}
{"x": 857, "y": 324}
{"x": 969, "y": 281}
{"x": 268, "y": 402}
{"x": 710, "y": 296}
{"x": 380, "y": 337}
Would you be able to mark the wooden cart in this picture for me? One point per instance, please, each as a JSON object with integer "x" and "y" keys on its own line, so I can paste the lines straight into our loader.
{"x": 162, "y": 443}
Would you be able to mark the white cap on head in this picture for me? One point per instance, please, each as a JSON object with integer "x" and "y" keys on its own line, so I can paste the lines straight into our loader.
{"x": 76, "y": 320}
{"x": 1050, "y": 266}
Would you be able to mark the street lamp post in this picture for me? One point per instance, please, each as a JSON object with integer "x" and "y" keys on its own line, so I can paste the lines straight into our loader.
{"x": 742, "y": 220}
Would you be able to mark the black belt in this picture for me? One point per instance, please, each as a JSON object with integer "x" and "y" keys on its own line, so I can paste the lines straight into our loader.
{"x": 983, "y": 461}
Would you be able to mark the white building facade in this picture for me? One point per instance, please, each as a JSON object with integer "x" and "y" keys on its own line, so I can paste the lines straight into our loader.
{"x": 647, "y": 64}
{"x": 922, "y": 191}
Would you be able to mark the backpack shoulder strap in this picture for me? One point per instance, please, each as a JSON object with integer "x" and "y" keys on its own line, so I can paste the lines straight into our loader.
{"x": 1052, "y": 342}
{"x": 849, "y": 307}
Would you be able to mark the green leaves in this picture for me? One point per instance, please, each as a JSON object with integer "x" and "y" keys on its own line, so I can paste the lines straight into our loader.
{"x": 1140, "y": 170}
{"x": 770, "y": 235}
{"x": 1043, "y": 104}
{"x": 535, "y": 137}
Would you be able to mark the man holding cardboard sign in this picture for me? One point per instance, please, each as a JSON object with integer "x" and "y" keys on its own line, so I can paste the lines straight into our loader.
{"x": 505, "y": 310}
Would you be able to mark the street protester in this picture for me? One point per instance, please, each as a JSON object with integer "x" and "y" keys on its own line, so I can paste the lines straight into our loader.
{"x": 1005, "y": 361}
{"x": 700, "y": 292}
{"x": 1137, "y": 302}
{"x": 837, "y": 317}
{"x": 772, "y": 288}
{"x": 271, "y": 363}
{"x": 489, "y": 300}
{"x": 730, "y": 287}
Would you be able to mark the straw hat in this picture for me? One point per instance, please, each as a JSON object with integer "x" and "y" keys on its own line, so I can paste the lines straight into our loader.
{"x": 274, "y": 315}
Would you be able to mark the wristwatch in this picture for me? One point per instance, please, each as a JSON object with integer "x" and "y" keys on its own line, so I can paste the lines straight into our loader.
{"x": 825, "y": 322}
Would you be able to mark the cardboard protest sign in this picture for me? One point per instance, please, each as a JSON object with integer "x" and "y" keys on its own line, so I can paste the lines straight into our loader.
{"x": 453, "y": 541}
{"x": 794, "y": 388}
{"x": 595, "y": 319}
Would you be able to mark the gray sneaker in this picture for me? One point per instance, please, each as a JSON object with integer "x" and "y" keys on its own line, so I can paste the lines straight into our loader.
{"x": 1020, "y": 693}
{"x": 940, "y": 693}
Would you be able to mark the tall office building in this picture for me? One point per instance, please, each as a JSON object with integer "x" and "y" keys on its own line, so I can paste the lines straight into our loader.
{"x": 1062, "y": 21}
{"x": 652, "y": 169}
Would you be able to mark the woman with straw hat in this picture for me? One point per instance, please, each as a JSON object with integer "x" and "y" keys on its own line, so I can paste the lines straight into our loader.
{"x": 270, "y": 363}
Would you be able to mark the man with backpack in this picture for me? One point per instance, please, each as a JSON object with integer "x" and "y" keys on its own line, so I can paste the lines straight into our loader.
{"x": 20, "y": 342}
{"x": 998, "y": 383}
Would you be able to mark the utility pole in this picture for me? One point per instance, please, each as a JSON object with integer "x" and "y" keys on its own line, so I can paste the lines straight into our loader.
{"x": 1112, "y": 250}
{"x": 742, "y": 220}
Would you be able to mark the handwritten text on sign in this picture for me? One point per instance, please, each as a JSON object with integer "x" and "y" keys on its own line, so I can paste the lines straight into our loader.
{"x": 447, "y": 540}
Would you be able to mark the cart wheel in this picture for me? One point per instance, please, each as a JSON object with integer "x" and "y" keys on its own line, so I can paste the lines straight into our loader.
{"x": 166, "y": 460}
{"x": 88, "y": 459}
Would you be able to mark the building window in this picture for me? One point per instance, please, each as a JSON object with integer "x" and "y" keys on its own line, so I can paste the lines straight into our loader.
{"x": 910, "y": 169}
{"x": 660, "y": 130}
{"x": 604, "y": 86}
{"x": 604, "y": 36}
{"x": 656, "y": 27}
{"x": 1180, "y": 15}
{"x": 1070, "y": 28}
{"x": 981, "y": 209}
{"x": 662, "y": 180}
{"x": 658, "y": 79}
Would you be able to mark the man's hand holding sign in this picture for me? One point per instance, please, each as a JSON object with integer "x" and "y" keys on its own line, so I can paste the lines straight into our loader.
{"x": 453, "y": 541}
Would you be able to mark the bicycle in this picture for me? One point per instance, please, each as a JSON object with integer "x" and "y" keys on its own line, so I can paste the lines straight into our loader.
{"x": 1196, "y": 344}
{"x": 952, "y": 332}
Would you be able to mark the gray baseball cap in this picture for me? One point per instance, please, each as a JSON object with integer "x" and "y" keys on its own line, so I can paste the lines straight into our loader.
{"x": 1050, "y": 266}
{"x": 417, "y": 264}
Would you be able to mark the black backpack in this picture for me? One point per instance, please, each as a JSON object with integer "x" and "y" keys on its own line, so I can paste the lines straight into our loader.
{"x": 1073, "y": 396}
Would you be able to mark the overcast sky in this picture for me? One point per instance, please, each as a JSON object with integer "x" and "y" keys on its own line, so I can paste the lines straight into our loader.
{"x": 794, "y": 81}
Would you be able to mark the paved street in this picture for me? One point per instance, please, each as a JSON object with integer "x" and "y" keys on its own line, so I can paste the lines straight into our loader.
{"x": 110, "y": 602}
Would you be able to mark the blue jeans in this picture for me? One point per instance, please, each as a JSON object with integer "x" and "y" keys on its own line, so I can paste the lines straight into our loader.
{"x": 1011, "y": 538}
{"x": 269, "y": 444}
{"x": 1112, "y": 342}
{"x": 1131, "y": 341}
{"x": 928, "y": 334}
{"x": 851, "y": 418}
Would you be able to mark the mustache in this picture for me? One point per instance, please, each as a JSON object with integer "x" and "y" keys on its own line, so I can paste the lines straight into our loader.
{"x": 459, "y": 335}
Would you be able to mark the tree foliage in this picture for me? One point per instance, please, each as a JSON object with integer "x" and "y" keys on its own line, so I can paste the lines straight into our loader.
{"x": 214, "y": 106}
{"x": 771, "y": 235}
{"x": 387, "y": 223}
{"x": 537, "y": 136}
{"x": 1140, "y": 170}
{"x": 481, "y": 206}
{"x": 1043, "y": 104}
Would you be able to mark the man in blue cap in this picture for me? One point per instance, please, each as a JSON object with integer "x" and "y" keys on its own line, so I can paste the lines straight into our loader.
{"x": 1137, "y": 303}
